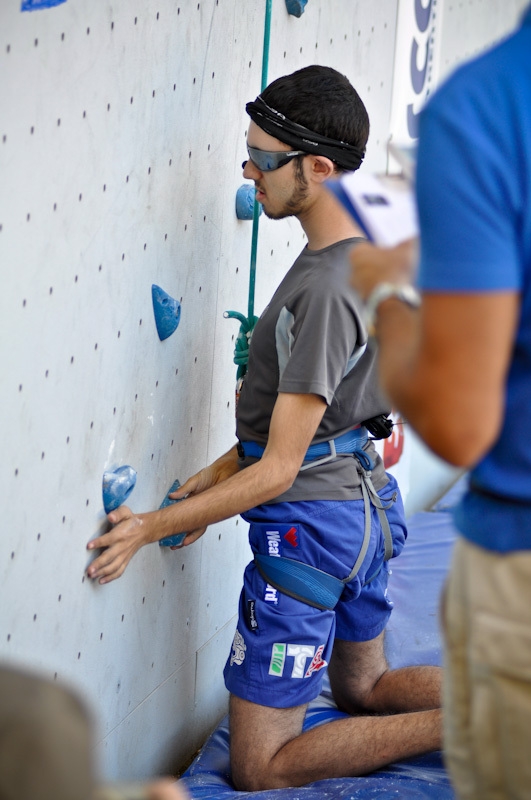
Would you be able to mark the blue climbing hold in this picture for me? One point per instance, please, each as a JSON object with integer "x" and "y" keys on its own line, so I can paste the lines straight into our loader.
{"x": 167, "y": 312}
{"x": 117, "y": 486}
{"x": 296, "y": 7}
{"x": 245, "y": 202}
{"x": 178, "y": 538}
{"x": 32, "y": 5}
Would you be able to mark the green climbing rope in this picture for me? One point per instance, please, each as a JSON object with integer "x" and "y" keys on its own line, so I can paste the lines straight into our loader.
{"x": 241, "y": 348}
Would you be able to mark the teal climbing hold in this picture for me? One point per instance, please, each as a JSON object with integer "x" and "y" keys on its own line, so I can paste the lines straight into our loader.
{"x": 117, "y": 486}
{"x": 296, "y": 7}
{"x": 245, "y": 202}
{"x": 167, "y": 312}
{"x": 178, "y": 538}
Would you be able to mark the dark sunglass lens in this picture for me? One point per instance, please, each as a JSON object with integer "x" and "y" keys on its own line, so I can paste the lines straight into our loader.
{"x": 264, "y": 160}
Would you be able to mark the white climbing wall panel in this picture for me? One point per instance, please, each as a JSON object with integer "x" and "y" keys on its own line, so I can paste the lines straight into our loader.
{"x": 469, "y": 27}
{"x": 122, "y": 132}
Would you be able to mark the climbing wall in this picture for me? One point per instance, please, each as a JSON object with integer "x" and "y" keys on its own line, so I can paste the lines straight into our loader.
{"x": 468, "y": 28}
{"x": 122, "y": 132}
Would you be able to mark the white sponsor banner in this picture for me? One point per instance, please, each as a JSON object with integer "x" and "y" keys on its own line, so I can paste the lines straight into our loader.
{"x": 416, "y": 64}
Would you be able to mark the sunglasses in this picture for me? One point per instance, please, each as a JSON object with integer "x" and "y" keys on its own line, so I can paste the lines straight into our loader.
{"x": 267, "y": 161}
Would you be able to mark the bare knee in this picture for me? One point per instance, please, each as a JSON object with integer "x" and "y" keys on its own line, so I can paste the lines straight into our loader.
{"x": 246, "y": 778}
{"x": 257, "y": 734}
{"x": 355, "y": 670}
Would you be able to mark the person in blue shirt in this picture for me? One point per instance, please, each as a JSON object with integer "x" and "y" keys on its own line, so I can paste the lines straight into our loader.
{"x": 459, "y": 368}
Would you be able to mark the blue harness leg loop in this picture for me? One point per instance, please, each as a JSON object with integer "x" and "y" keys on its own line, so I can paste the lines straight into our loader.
{"x": 309, "y": 584}
{"x": 301, "y": 581}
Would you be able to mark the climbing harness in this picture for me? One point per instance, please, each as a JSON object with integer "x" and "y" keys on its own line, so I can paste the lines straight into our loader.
{"x": 317, "y": 454}
{"x": 309, "y": 584}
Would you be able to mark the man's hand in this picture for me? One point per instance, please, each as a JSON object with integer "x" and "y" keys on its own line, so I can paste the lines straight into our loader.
{"x": 373, "y": 265}
{"x": 128, "y": 535}
{"x": 294, "y": 421}
{"x": 215, "y": 473}
{"x": 132, "y": 531}
{"x": 162, "y": 789}
{"x": 165, "y": 790}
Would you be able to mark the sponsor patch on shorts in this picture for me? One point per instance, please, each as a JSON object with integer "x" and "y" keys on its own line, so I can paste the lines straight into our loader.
{"x": 252, "y": 622}
{"x": 294, "y": 657}
{"x": 281, "y": 539}
{"x": 238, "y": 649}
{"x": 271, "y": 595}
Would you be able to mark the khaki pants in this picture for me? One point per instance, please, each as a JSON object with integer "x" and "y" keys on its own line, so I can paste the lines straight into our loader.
{"x": 487, "y": 693}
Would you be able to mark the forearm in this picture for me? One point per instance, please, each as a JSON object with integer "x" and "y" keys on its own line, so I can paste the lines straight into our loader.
{"x": 244, "y": 489}
{"x": 217, "y": 492}
{"x": 414, "y": 385}
{"x": 438, "y": 372}
{"x": 397, "y": 331}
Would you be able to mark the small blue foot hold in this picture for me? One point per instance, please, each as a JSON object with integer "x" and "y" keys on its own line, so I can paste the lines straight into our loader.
{"x": 178, "y": 538}
{"x": 245, "y": 202}
{"x": 167, "y": 312}
{"x": 117, "y": 486}
{"x": 296, "y": 7}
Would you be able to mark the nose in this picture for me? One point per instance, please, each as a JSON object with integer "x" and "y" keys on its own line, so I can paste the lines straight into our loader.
{"x": 250, "y": 171}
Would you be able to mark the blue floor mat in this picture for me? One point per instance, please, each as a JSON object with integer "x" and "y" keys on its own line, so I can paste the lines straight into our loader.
{"x": 412, "y": 638}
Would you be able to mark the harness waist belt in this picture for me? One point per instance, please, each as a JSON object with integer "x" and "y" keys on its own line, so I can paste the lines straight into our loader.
{"x": 346, "y": 443}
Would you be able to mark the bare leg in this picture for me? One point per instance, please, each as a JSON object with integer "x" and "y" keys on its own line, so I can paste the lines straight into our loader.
{"x": 268, "y": 750}
{"x": 361, "y": 681}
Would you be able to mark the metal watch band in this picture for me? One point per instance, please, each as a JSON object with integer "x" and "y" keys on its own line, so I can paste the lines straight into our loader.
{"x": 383, "y": 291}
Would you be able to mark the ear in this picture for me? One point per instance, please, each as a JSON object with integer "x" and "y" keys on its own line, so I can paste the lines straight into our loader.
{"x": 322, "y": 168}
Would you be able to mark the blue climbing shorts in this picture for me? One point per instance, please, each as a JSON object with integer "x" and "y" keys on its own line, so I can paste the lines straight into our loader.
{"x": 282, "y": 645}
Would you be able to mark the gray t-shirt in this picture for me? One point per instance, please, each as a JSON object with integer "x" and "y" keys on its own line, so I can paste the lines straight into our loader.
{"x": 311, "y": 339}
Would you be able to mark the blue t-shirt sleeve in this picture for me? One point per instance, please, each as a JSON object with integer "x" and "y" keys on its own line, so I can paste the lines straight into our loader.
{"x": 467, "y": 205}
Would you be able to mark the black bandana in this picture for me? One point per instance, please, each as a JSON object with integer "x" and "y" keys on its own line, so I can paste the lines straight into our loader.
{"x": 346, "y": 156}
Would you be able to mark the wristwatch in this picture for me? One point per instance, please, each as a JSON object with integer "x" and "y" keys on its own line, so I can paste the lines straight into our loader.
{"x": 383, "y": 291}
